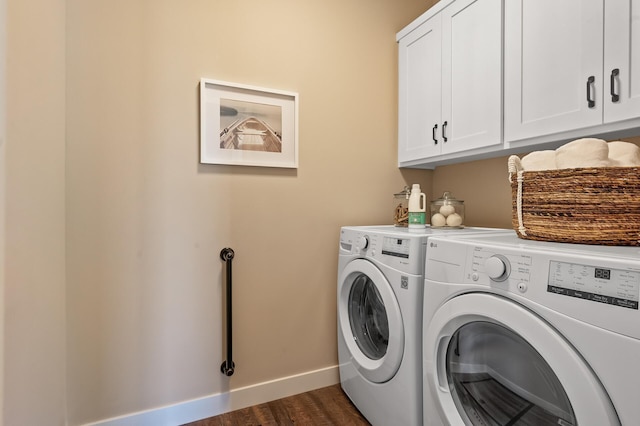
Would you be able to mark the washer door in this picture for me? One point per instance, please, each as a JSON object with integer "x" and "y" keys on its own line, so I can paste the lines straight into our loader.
{"x": 370, "y": 321}
{"x": 490, "y": 361}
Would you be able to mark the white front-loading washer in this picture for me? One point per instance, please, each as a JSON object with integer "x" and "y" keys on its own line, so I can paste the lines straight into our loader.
{"x": 380, "y": 282}
{"x": 530, "y": 333}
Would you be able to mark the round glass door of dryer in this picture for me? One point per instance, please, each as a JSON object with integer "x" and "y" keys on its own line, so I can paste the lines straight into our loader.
{"x": 497, "y": 378}
{"x": 491, "y": 361}
{"x": 370, "y": 320}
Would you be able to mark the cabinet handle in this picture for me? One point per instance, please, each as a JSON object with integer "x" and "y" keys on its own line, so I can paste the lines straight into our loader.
{"x": 614, "y": 96}
{"x": 590, "y": 101}
{"x": 444, "y": 126}
{"x": 433, "y": 134}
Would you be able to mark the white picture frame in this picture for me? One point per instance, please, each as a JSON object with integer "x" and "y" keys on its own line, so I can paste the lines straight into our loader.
{"x": 247, "y": 125}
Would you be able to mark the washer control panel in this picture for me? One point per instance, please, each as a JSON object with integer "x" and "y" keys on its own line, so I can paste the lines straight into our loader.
{"x": 397, "y": 247}
{"x": 403, "y": 252}
{"x": 362, "y": 242}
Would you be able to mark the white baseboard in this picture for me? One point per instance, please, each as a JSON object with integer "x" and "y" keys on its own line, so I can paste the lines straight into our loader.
{"x": 213, "y": 405}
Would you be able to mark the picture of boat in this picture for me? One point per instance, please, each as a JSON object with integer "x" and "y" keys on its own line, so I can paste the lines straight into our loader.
{"x": 250, "y": 134}
{"x": 250, "y": 126}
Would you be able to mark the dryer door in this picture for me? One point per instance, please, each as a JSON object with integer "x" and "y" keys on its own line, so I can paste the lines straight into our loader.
{"x": 490, "y": 361}
{"x": 370, "y": 321}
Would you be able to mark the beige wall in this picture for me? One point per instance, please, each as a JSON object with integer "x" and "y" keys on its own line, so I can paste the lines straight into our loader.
{"x": 484, "y": 188}
{"x": 3, "y": 96}
{"x": 34, "y": 278}
{"x": 146, "y": 222}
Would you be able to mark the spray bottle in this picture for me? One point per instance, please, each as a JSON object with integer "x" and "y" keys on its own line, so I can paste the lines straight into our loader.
{"x": 417, "y": 208}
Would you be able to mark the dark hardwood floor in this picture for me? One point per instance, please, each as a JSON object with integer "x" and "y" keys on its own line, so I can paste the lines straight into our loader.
{"x": 325, "y": 406}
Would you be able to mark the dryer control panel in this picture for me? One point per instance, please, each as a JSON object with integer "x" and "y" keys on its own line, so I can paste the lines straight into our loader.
{"x": 499, "y": 267}
{"x": 616, "y": 287}
{"x": 597, "y": 285}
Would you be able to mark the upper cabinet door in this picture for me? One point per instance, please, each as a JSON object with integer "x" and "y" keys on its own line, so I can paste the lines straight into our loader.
{"x": 471, "y": 75}
{"x": 621, "y": 60}
{"x": 553, "y": 66}
{"x": 419, "y": 97}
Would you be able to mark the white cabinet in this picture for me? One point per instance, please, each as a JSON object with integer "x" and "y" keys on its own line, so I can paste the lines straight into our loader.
{"x": 560, "y": 62}
{"x": 450, "y": 81}
{"x": 621, "y": 60}
{"x": 420, "y": 90}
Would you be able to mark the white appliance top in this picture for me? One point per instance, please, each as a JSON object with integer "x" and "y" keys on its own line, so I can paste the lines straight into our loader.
{"x": 510, "y": 239}
{"x": 428, "y": 231}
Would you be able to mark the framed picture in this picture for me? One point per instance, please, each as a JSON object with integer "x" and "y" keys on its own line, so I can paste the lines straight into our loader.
{"x": 247, "y": 125}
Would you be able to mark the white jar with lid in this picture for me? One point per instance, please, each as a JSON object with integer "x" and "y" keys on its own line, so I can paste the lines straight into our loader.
{"x": 447, "y": 212}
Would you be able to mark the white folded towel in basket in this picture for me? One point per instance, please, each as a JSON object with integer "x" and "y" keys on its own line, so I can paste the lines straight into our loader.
{"x": 581, "y": 153}
{"x": 624, "y": 154}
{"x": 587, "y": 152}
{"x": 539, "y": 160}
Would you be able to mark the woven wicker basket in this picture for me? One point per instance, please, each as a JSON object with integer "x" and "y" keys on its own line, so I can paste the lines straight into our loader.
{"x": 585, "y": 206}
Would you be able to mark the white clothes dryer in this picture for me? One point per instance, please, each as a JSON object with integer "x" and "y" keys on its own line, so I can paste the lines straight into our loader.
{"x": 523, "y": 332}
{"x": 380, "y": 282}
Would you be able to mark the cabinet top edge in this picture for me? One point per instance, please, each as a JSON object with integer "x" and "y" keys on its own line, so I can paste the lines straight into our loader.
{"x": 433, "y": 10}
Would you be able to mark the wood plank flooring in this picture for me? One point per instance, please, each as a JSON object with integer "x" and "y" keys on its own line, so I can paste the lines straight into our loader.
{"x": 322, "y": 407}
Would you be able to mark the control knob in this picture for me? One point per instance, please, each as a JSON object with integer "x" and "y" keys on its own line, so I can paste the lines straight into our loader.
{"x": 362, "y": 242}
{"x": 497, "y": 267}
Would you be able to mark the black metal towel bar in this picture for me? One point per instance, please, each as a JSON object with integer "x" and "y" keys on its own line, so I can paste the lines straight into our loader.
{"x": 228, "y": 366}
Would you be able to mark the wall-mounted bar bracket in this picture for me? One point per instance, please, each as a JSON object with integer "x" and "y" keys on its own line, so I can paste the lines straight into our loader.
{"x": 228, "y": 366}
